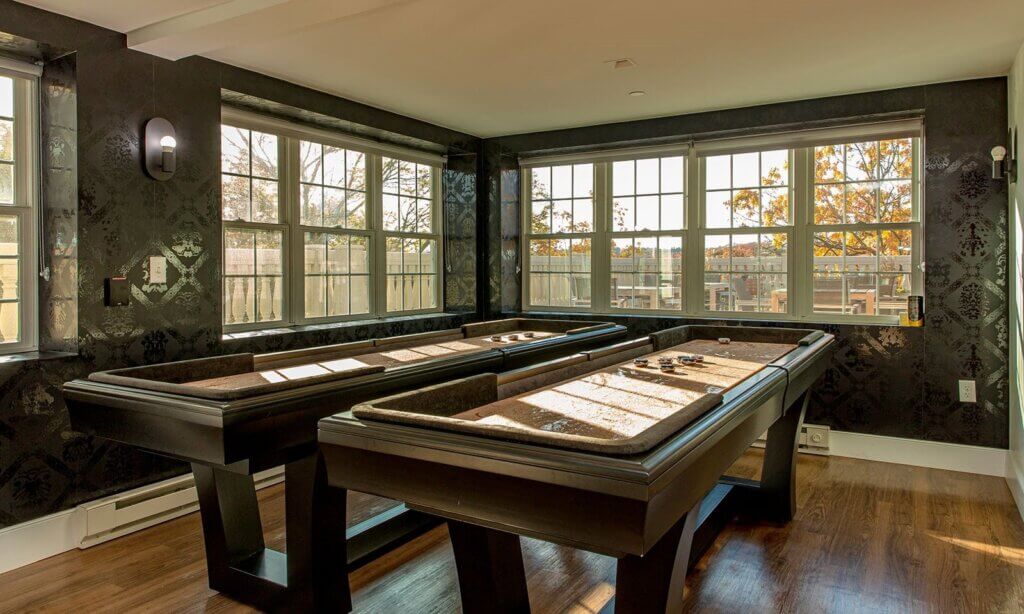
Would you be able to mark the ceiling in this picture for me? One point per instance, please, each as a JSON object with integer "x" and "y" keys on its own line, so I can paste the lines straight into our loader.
{"x": 495, "y": 68}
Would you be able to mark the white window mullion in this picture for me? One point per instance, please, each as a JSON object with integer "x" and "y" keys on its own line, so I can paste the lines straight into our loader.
{"x": 801, "y": 252}
{"x": 693, "y": 262}
{"x": 600, "y": 245}
{"x": 378, "y": 247}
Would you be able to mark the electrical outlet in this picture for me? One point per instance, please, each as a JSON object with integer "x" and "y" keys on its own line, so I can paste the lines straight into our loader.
{"x": 967, "y": 391}
{"x": 157, "y": 270}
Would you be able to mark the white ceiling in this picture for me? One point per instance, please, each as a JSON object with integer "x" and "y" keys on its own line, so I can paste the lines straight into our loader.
{"x": 492, "y": 68}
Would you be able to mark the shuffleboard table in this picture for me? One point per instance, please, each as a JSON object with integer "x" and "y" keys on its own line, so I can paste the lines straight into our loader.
{"x": 233, "y": 416}
{"x": 597, "y": 451}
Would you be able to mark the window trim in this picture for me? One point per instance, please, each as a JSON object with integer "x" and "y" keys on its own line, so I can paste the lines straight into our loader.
{"x": 799, "y": 232}
{"x": 26, "y": 206}
{"x": 293, "y": 243}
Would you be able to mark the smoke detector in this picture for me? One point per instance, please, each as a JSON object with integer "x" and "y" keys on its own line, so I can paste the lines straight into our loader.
{"x": 621, "y": 63}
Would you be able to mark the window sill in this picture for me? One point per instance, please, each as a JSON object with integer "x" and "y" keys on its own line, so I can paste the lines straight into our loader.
{"x": 34, "y": 356}
{"x": 306, "y": 328}
{"x": 746, "y": 318}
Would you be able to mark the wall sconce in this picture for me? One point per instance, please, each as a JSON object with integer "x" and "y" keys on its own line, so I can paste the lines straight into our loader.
{"x": 1004, "y": 165}
{"x": 161, "y": 149}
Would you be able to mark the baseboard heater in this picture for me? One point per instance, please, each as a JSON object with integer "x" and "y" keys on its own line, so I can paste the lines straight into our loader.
{"x": 134, "y": 510}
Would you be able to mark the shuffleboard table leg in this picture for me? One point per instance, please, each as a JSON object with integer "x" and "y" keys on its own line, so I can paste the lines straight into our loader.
{"x": 654, "y": 583}
{"x": 315, "y": 533}
{"x": 776, "y": 493}
{"x": 232, "y": 532}
{"x": 490, "y": 566}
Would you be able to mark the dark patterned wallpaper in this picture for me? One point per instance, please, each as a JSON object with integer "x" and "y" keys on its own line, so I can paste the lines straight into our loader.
{"x": 885, "y": 380}
{"x": 104, "y": 217}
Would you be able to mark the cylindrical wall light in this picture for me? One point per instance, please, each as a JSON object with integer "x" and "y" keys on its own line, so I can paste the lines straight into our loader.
{"x": 161, "y": 149}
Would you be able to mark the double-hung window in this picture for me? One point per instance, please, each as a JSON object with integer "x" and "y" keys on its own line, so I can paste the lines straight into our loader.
{"x": 822, "y": 225}
{"x": 321, "y": 227}
{"x": 18, "y": 206}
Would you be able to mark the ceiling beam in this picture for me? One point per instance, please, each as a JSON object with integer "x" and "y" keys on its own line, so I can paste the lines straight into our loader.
{"x": 242, "y": 22}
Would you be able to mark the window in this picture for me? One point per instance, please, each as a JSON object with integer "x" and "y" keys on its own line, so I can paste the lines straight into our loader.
{"x": 749, "y": 192}
{"x": 561, "y": 228}
{"x": 409, "y": 230}
{"x": 320, "y": 227}
{"x": 254, "y": 237}
{"x": 864, "y": 215}
{"x": 822, "y": 225}
{"x": 18, "y": 211}
{"x": 335, "y": 238}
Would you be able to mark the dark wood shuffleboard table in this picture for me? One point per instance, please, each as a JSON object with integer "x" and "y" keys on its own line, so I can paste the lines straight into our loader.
{"x": 233, "y": 416}
{"x": 592, "y": 451}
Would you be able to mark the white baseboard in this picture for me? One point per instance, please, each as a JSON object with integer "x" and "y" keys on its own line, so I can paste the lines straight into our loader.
{"x": 1015, "y": 480}
{"x": 35, "y": 540}
{"x": 933, "y": 454}
{"x": 38, "y": 539}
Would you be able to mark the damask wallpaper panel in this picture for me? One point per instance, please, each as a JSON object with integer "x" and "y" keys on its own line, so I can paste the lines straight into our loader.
{"x": 104, "y": 217}
{"x": 899, "y": 382}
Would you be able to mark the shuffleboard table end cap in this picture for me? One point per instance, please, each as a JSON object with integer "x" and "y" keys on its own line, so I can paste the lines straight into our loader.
{"x": 811, "y": 337}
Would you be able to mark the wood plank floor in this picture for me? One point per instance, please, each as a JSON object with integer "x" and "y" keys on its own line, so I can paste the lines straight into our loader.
{"x": 869, "y": 537}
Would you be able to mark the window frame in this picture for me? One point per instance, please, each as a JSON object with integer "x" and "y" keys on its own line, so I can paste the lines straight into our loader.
{"x": 26, "y": 201}
{"x": 289, "y": 136}
{"x": 799, "y": 231}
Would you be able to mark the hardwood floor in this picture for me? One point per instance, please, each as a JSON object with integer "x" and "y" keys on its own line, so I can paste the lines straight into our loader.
{"x": 868, "y": 537}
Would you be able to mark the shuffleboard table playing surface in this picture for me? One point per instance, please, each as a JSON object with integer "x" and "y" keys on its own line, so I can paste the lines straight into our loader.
{"x": 622, "y": 404}
{"x": 369, "y": 362}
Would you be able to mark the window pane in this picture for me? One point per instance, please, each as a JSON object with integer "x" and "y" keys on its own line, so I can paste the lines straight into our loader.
{"x": 718, "y": 175}
{"x": 861, "y": 161}
{"x": 423, "y": 181}
{"x": 389, "y": 175}
{"x": 896, "y": 159}
{"x": 359, "y": 287}
{"x": 623, "y": 213}
{"x": 264, "y": 201}
{"x": 582, "y": 216}
{"x": 9, "y": 323}
{"x": 391, "y": 212}
{"x": 234, "y": 196}
{"x": 337, "y": 255}
{"x": 268, "y": 253}
{"x": 311, "y": 162}
{"x": 424, "y": 215}
{"x": 6, "y": 97}
{"x": 334, "y": 208}
{"x": 775, "y": 207}
{"x": 623, "y": 180}
{"x": 772, "y": 253}
{"x": 541, "y": 178}
{"x": 333, "y": 166}
{"x": 428, "y": 292}
{"x": 672, "y": 212}
{"x": 234, "y": 150}
{"x": 718, "y": 210}
{"x": 239, "y": 252}
{"x": 359, "y": 255}
{"x": 647, "y": 179}
{"x": 355, "y": 170}
{"x": 829, "y": 164}
{"x": 895, "y": 202}
{"x": 407, "y": 178}
{"x": 746, "y": 208}
{"x": 895, "y": 251}
{"x": 316, "y": 304}
{"x": 672, "y": 174}
{"x": 745, "y": 170}
{"x": 407, "y": 214}
{"x": 6, "y": 140}
{"x": 828, "y": 293}
{"x": 828, "y": 204}
{"x": 312, "y": 203}
{"x": 337, "y": 295}
{"x": 355, "y": 210}
{"x": 315, "y": 254}
{"x": 861, "y": 203}
{"x": 775, "y": 168}
{"x": 6, "y": 183}
{"x": 561, "y": 182}
{"x": 264, "y": 155}
{"x": 8, "y": 235}
{"x": 583, "y": 181}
